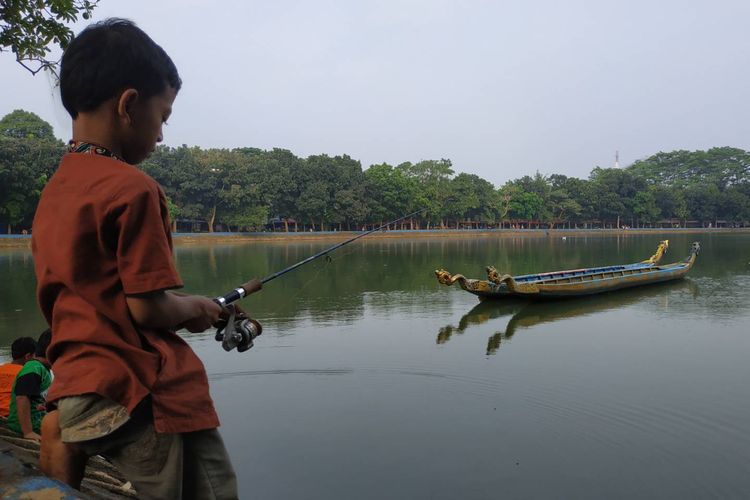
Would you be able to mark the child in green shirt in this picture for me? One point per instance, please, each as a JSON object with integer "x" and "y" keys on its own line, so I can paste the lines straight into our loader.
{"x": 27, "y": 399}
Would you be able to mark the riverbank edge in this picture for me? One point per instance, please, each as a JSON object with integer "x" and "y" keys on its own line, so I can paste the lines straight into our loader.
{"x": 24, "y": 241}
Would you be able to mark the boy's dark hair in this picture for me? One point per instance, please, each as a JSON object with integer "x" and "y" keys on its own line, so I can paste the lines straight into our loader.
{"x": 22, "y": 346}
{"x": 111, "y": 56}
{"x": 42, "y": 343}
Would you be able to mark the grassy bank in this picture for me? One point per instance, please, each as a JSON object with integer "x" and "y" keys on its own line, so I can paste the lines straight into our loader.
{"x": 23, "y": 241}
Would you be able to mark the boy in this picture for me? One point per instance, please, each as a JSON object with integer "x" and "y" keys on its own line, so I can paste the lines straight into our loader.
{"x": 27, "y": 398}
{"x": 126, "y": 386}
{"x": 21, "y": 350}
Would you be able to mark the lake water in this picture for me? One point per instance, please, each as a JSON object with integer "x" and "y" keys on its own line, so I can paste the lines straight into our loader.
{"x": 371, "y": 380}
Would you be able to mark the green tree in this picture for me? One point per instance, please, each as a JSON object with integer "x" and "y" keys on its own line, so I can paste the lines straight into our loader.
{"x": 507, "y": 194}
{"x": 532, "y": 201}
{"x": 241, "y": 188}
{"x": 734, "y": 205}
{"x": 279, "y": 176}
{"x": 681, "y": 210}
{"x": 529, "y": 206}
{"x": 489, "y": 202}
{"x": 464, "y": 197}
{"x": 561, "y": 207}
{"x": 174, "y": 212}
{"x": 29, "y": 27}
{"x": 703, "y": 202}
{"x": 723, "y": 167}
{"x": 346, "y": 188}
{"x": 613, "y": 191}
{"x": 471, "y": 198}
{"x": 179, "y": 173}
{"x": 29, "y": 155}
{"x": 349, "y": 207}
{"x": 671, "y": 202}
{"x": 313, "y": 202}
{"x": 391, "y": 193}
{"x": 337, "y": 182}
{"x": 25, "y": 167}
{"x": 645, "y": 207}
{"x": 538, "y": 184}
{"x": 573, "y": 197}
{"x": 252, "y": 217}
{"x": 21, "y": 124}
{"x": 433, "y": 177}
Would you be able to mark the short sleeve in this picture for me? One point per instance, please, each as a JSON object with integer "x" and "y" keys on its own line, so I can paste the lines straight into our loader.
{"x": 144, "y": 251}
{"x": 29, "y": 385}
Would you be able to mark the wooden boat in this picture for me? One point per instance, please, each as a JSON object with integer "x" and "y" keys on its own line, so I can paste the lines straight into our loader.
{"x": 574, "y": 282}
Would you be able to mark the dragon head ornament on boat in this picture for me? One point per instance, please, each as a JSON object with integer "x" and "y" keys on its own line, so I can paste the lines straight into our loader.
{"x": 447, "y": 278}
{"x": 660, "y": 251}
{"x": 495, "y": 277}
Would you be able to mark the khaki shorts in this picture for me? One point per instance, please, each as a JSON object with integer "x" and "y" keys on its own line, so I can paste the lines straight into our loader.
{"x": 160, "y": 466}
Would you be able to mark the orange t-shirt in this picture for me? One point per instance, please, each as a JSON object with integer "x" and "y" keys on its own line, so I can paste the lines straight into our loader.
{"x": 8, "y": 374}
{"x": 101, "y": 231}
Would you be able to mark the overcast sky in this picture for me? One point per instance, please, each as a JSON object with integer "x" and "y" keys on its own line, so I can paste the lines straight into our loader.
{"x": 501, "y": 88}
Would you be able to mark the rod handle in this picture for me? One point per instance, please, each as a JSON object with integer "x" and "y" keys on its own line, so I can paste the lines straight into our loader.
{"x": 252, "y": 286}
{"x": 243, "y": 290}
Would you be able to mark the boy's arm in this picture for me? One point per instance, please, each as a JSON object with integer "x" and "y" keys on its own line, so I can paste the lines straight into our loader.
{"x": 145, "y": 263}
{"x": 169, "y": 310}
{"x": 27, "y": 385}
{"x": 23, "y": 408}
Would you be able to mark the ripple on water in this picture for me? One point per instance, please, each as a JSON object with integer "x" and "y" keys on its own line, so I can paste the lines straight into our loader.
{"x": 257, "y": 373}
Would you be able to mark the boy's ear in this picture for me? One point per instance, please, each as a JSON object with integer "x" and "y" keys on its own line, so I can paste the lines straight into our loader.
{"x": 125, "y": 104}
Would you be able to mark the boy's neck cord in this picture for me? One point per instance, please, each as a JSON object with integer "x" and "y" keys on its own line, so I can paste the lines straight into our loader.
{"x": 92, "y": 149}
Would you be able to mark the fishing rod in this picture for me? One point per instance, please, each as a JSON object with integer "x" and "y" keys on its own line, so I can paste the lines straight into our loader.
{"x": 245, "y": 328}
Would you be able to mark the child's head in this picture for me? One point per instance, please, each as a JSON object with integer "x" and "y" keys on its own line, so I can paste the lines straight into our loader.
{"x": 115, "y": 67}
{"x": 22, "y": 348}
{"x": 42, "y": 343}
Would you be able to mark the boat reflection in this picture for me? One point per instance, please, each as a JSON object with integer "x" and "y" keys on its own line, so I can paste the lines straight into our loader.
{"x": 481, "y": 313}
{"x": 526, "y": 314}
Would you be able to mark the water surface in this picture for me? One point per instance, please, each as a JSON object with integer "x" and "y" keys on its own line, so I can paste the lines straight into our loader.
{"x": 371, "y": 380}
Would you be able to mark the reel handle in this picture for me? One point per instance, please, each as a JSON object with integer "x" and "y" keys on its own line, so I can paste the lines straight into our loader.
{"x": 237, "y": 332}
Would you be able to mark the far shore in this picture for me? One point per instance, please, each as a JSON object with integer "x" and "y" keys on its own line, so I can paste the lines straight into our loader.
{"x": 24, "y": 241}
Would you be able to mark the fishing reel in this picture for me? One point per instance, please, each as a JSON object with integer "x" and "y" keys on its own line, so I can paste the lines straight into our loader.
{"x": 238, "y": 330}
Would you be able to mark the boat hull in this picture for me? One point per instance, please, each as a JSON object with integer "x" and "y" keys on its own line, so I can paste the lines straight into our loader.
{"x": 572, "y": 283}
{"x": 601, "y": 285}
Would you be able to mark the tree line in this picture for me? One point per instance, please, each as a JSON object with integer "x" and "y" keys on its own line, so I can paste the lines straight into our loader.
{"x": 250, "y": 189}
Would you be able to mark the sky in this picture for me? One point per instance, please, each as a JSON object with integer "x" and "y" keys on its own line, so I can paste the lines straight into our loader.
{"x": 501, "y": 88}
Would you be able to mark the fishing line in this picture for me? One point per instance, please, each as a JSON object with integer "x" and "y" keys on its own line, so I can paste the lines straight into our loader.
{"x": 254, "y": 285}
{"x": 329, "y": 260}
{"x": 239, "y": 330}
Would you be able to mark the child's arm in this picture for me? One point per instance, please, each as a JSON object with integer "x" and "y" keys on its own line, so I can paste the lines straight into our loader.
{"x": 27, "y": 386}
{"x": 23, "y": 409}
{"x": 169, "y": 310}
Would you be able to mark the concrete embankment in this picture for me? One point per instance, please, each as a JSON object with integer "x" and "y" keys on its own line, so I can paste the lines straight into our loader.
{"x": 20, "y": 477}
{"x": 24, "y": 241}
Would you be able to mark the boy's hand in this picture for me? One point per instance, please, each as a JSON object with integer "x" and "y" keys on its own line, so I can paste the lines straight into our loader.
{"x": 239, "y": 312}
{"x": 206, "y": 312}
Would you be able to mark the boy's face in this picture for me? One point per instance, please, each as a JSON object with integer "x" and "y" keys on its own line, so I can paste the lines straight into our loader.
{"x": 145, "y": 130}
